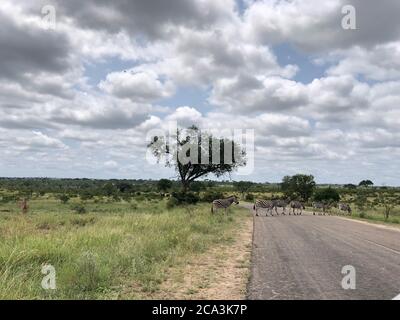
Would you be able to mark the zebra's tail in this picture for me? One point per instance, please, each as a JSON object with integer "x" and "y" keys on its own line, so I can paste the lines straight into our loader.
{"x": 254, "y": 206}
{"x": 212, "y": 208}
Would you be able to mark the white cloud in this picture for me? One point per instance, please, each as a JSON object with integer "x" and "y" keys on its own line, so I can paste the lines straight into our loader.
{"x": 137, "y": 86}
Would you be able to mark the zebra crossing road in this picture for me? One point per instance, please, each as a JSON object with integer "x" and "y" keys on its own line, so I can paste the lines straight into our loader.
{"x": 301, "y": 257}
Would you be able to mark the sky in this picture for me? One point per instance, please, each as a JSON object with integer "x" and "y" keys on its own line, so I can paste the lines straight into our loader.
{"x": 82, "y": 83}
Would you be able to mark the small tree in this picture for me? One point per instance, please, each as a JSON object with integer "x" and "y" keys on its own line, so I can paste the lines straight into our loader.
{"x": 63, "y": 198}
{"x": 388, "y": 204}
{"x": 300, "y": 186}
{"x": 163, "y": 185}
{"x": 243, "y": 186}
{"x": 195, "y": 154}
{"x": 361, "y": 201}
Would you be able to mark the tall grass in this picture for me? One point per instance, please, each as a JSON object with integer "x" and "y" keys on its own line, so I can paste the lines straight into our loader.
{"x": 114, "y": 251}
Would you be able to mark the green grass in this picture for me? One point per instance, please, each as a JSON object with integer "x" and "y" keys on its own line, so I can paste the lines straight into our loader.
{"x": 376, "y": 216}
{"x": 115, "y": 251}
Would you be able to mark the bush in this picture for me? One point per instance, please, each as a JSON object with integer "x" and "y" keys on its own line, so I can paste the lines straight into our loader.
{"x": 249, "y": 197}
{"x": 63, "y": 198}
{"x": 79, "y": 209}
{"x": 210, "y": 196}
{"x": 172, "y": 202}
{"x": 185, "y": 198}
{"x": 327, "y": 195}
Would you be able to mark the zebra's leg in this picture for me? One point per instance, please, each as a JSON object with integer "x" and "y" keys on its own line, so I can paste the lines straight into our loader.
{"x": 256, "y": 211}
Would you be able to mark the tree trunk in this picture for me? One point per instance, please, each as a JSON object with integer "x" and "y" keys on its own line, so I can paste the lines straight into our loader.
{"x": 185, "y": 186}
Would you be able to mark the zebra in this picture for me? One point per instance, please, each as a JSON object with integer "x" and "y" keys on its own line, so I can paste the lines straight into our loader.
{"x": 296, "y": 205}
{"x": 263, "y": 204}
{"x": 224, "y": 203}
{"x": 280, "y": 204}
{"x": 345, "y": 207}
{"x": 320, "y": 205}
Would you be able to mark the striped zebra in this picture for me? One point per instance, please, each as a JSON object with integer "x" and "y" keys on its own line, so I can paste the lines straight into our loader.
{"x": 224, "y": 203}
{"x": 296, "y": 205}
{"x": 320, "y": 206}
{"x": 263, "y": 204}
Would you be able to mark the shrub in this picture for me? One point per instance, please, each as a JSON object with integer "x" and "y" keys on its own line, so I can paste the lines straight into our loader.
{"x": 63, "y": 198}
{"x": 79, "y": 209}
{"x": 186, "y": 197}
{"x": 140, "y": 198}
{"x": 249, "y": 197}
{"x": 210, "y": 196}
{"x": 172, "y": 202}
{"x": 327, "y": 195}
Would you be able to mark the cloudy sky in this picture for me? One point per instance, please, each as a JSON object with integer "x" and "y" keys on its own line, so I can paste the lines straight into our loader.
{"x": 78, "y": 100}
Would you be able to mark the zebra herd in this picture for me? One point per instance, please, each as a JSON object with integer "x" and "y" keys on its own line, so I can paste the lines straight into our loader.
{"x": 273, "y": 205}
{"x": 270, "y": 205}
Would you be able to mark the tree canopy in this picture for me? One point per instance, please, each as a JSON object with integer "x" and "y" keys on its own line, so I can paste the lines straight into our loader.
{"x": 327, "y": 195}
{"x": 243, "y": 186}
{"x": 299, "y": 186}
{"x": 366, "y": 183}
{"x": 164, "y": 185}
{"x": 195, "y": 154}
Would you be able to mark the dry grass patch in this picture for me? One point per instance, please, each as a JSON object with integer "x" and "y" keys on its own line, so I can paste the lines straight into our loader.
{"x": 220, "y": 273}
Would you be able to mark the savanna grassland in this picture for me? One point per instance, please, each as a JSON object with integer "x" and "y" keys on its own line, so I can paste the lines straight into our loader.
{"x": 112, "y": 249}
{"x": 125, "y": 239}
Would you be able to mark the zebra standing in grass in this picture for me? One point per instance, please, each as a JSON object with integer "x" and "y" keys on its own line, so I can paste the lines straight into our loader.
{"x": 296, "y": 205}
{"x": 263, "y": 204}
{"x": 224, "y": 203}
{"x": 345, "y": 207}
{"x": 320, "y": 205}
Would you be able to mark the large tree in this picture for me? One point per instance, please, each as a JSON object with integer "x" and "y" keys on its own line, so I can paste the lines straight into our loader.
{"x": 195, "y": 154}
{"x": 299, "y": 187}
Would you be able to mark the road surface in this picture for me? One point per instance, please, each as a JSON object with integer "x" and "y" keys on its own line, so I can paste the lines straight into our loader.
{"x": 301, "y": 257}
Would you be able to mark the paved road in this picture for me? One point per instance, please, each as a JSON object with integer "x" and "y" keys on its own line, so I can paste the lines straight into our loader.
{"x": 301, "y": 257}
